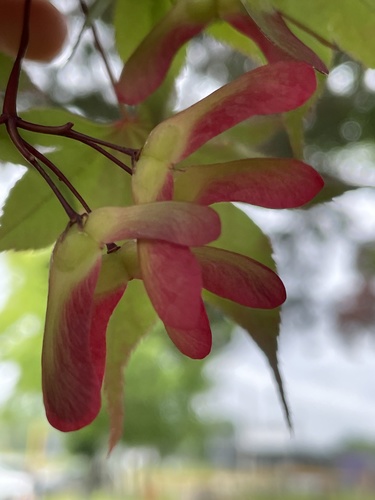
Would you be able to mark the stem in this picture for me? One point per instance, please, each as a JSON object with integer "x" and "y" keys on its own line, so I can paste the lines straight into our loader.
{"x": 67, "y": 131}
{"x": 58, "y": 174}
{"x": 32, "y": 155}
{"x": 110, "y": 156}
{"x": 100, "y": 49}
{"x": 61, "y": 130}
{"x": 23, "y": 149}
{"x": 11, "y": 91}
{"x": 9, "y": 115}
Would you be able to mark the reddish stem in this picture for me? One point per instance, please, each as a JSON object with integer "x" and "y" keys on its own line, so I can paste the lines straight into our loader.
{"x": 10, "y": 118}
{"x": 58, "y": 174}
{"x": 101, "y": 51}
{"x": 11, "y": 91}
{"x": 68, "y": 132}
{"x": 13, "y": 122}
{"x": 22, "y": 147}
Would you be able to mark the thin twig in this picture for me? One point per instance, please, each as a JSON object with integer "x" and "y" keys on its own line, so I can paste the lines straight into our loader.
{"x": 103, "y": 55}
{"x": 11, "y": 91}
{"x": 9, "y": 116}
{"x": 48, "y": 163}
{"x": 92, "y": 142}
{"x": 30, "y": 158}
{"x": 110, "y": 156}
{"x": 66, "y": 130}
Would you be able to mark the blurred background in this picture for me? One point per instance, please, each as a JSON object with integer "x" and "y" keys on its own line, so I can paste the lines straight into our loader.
{"x": 214, "y": 429}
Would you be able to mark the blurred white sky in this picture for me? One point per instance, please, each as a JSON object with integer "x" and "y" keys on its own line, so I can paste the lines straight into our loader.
{"x": 329, "y": 384}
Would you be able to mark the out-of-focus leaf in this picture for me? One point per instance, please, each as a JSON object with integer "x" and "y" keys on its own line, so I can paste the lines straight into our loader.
{"x": 223, "y": 32}
{"x": 21, "y": 327}
{"x": 33, "y": 218}
{"x": 134, "y": 19}
{"x": 263, "y": 326}
{"x": 340, "y": 22}
{"x": 8, "y": 152}
{"x": 133, "y": 318}
{"x": 27, "y": 286}
{"x": 294, "y": 120}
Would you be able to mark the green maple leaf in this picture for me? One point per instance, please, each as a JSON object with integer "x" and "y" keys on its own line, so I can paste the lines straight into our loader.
{"x": 339, "y": 22}
{"x": 33, "y": 218}
{"x": 262, "y": 325}
{"x": 133, "y": 318}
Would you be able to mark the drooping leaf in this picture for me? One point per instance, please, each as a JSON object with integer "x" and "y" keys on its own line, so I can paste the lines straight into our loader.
{"x": 266, "y": 182}
{"x": 133, "y": 318}
{"x": 263, "y": 326}
{"x": 238, "y": 278}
